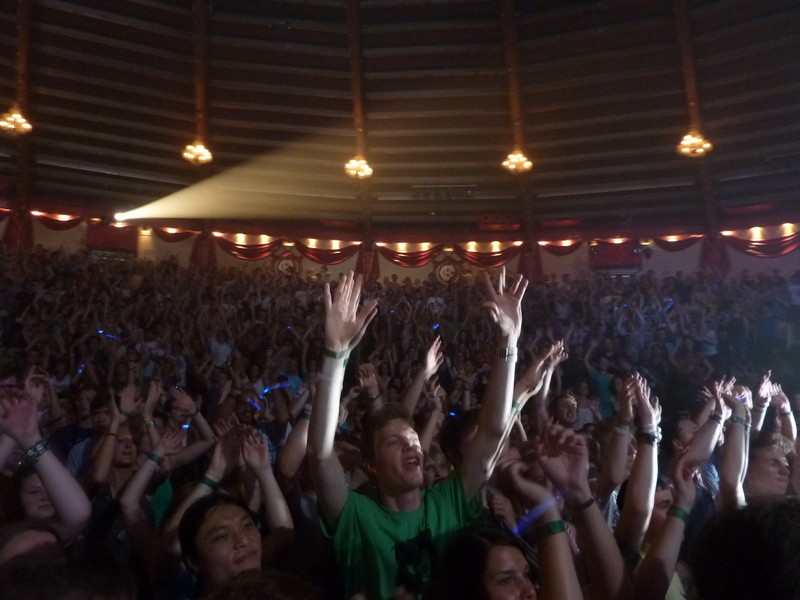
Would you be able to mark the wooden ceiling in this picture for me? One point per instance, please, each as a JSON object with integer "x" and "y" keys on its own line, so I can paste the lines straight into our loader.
{"x": 111, "y": 99}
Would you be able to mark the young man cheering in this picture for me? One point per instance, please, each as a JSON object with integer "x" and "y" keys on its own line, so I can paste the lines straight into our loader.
{"x": 391, "y": 542}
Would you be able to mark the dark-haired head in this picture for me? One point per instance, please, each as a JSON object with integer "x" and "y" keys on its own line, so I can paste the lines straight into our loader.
{"x": 219, "y": 539}
{"x": 465, "y": 567}
{"x": 751, "y": 554}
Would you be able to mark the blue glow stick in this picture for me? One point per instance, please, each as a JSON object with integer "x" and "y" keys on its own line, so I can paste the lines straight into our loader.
{"x": 533, "y": 514}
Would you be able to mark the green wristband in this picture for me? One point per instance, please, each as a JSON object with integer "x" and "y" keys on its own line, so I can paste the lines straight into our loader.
{"x": 332, "y": 354}
{"x": 737, "y": 420}
{"x": 208, "y": 482}
{"x": 551, "y": 528}
{"x": 677, "y": 511}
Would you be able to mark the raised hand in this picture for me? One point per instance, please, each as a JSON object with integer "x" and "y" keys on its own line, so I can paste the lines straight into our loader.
{"x": 20, "y": 420}
{"x": 558, "y": 354}
{"x": 255, "y": 450}
{"x": 170, "y": 442}
{"x": 723, "y": 390}
{"x": 743, "y": 395}
{"x": 502, "y": 508}
{"x": 433, "y": 358}
{"x": 532, "y": 379}
{"x": 565, "y": 460}
{"x": 682, "y": 478}
{"x": 345, "y": 323}
{"x": 648, "y": 408}
{"x": 227, "y": 450}
{"x": 518, "y": 475}
{"x": 627, "y": 400}
{"x": 150, "y": 403}
{"x": 779, "y": 399}
{"x": 368, "y": 380}
{"x": 505, "y": 306}
{"x": 128, "y": 402}
{"x": 183, "y": 401}
{"x": 35, "y": 384}
{"x": 764, "y": 391}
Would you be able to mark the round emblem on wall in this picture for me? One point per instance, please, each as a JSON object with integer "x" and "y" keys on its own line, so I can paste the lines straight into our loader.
{"x": 447, "y": 271}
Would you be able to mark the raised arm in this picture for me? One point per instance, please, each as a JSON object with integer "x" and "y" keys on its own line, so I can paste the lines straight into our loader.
{"x": 205, "y": 438}
{"x": 784, "y": 408}
{"x": 565, "y": 461}
{"x": 433, "y": 360}
{"x": 137, "y": 524}
{"x": 104, "y": 452}
{"x": 761, "y": 402}
{"x": 71, "y": 505}
{"x": 652, "y": 579}
{"x": 504, "y": 305}
{"x": 431, "y": 428}
{"x": 345, "y": 325}
{"x": 281, "y": 528}
{"x": 733, "y": 459}
{"x": 615, "y": 456}
{"x": 635, "y": 517}
{"x": 705, "y": 440}
{"x": 223, "y": 459}
{"x": 557, "y": 577}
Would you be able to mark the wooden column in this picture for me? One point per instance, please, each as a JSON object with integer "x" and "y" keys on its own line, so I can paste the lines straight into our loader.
{"x": 705, "y": 190}
{"x": 200, "y": 68}
{"x": 359, "y": 112}
{"x": 511, "y": 47}
{"x": 23, "y": 141}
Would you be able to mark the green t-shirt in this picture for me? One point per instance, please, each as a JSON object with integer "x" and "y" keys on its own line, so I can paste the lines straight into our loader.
{"x": 378, "y": 550}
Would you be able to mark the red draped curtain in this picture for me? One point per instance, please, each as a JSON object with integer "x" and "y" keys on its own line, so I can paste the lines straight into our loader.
{"x": 324, "y": 256}
{"x": 530, "y": 263}
{"x": 714, "y": 255}
{"x": 677, "y": 245}
{"x": 59, "y": 224}
{"x": 766, "y": 248}
{"x": 367, "y": 264}
{"x": 488, "y": 259}
{"x": 249, "y": 251}
{"x": 19, "y": 231}
{"x": 172, "y": 237}
{"x": 411, "y": 259}
{"x": 558, "y": 250}
{"x": 203, "y": 257}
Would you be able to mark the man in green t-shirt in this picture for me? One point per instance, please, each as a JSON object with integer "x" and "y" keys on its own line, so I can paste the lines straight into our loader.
{"x": 392, "y": 541}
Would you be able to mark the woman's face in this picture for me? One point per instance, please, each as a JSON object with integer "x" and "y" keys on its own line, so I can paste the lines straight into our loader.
{"x": 125, "y": 451}
{"x": 507, "y": 575}
{"x": 435, "y": 469}
{"x": 767, "y": 473}
{"x": 35, "y": 502}
{"x": 228, "y": 543}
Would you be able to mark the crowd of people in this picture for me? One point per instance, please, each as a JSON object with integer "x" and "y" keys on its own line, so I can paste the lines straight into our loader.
{"x": 168, "y": 433}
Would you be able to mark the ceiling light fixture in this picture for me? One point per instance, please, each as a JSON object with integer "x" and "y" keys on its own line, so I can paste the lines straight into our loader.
{"x": 14, "y": 122}
{"x": 358, "y": 168}
{"x": 694, "y": 145}
{"x": 517, "y": 162}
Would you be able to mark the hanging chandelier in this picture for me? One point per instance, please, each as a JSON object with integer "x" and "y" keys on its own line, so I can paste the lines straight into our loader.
{"x": 694, "y": 145}
{"x": 358, "y": 168}
{"x": 517, "y": 162}
{"x": 13, "y": 122}
{"x": 197, "y": 153}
